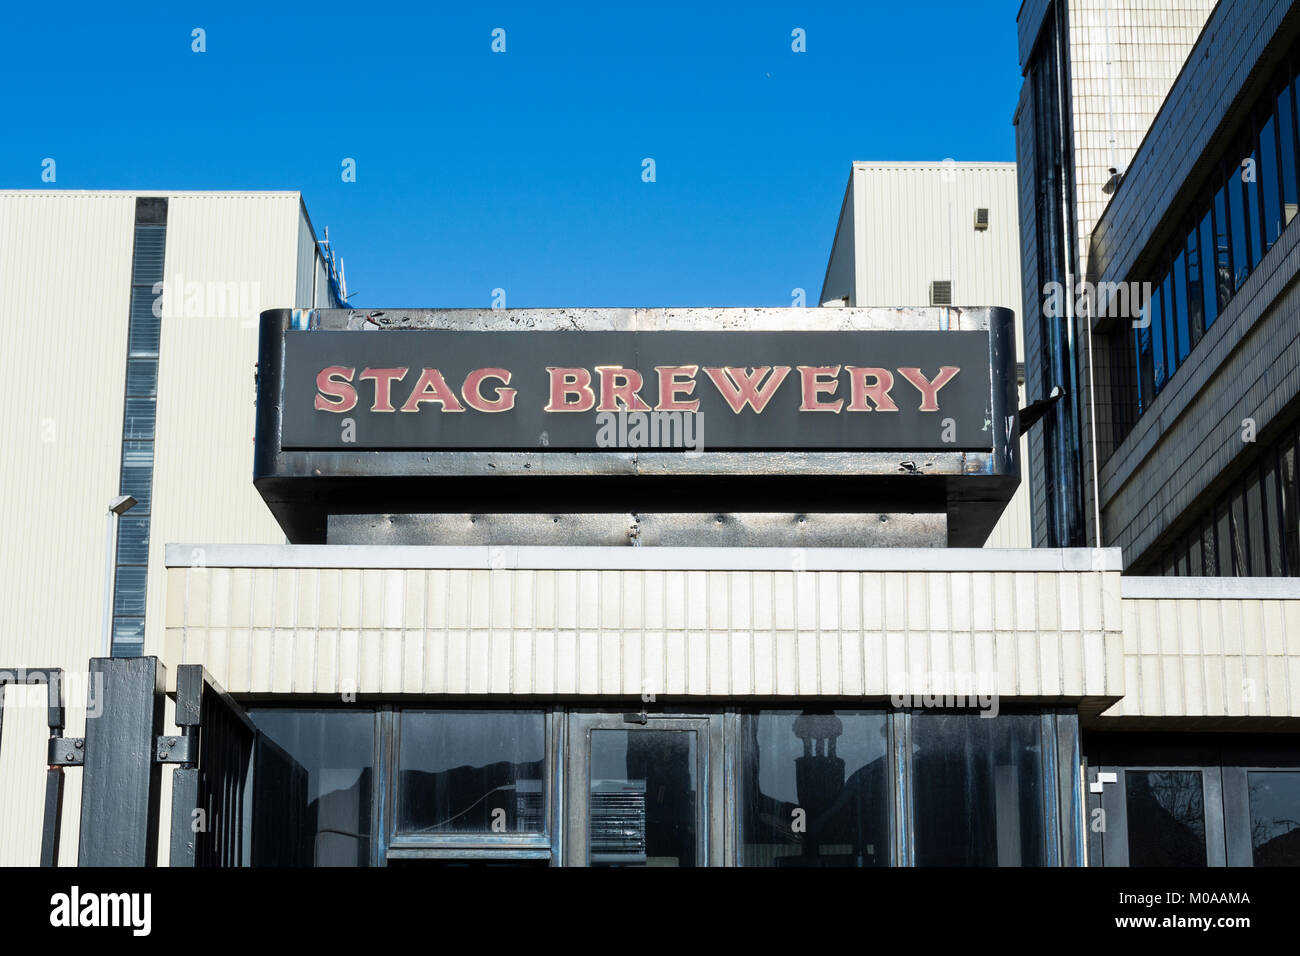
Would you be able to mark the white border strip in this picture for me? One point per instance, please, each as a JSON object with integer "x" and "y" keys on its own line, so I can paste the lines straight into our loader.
{"x": 1211, "y": 589}
{"x": 643, "y": 558}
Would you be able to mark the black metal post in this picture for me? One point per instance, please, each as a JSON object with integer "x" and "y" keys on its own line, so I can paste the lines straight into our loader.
{"x": 185, "y": 778}
{"x": 53, "y": 817}
{"x": 121, "y": 790}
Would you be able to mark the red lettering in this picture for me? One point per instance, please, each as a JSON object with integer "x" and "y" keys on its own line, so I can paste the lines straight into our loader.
{"x": 882, "y": 380}
{"x": 618, "y": 384}
{"x": 432, "y": 387}
{"x": 929, "y": 390}
{"x": 813, "y": 386}
{"x": 383, "y": 379}
{"x": 739, "y": 387}
{"x": 472, "y": 391}
{"x": 332, "y": 383}
{"x": 669, "y": 387}
{"x": 570, "y": 381}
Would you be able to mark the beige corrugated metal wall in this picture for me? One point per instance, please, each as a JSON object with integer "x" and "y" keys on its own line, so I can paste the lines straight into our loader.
{"x": 918, "y": 224}
{"x": 914, "y": 223}
{"x": 905, "y": 225}
{"x": 203, "y": 482}
{"x": 65, "y": 274}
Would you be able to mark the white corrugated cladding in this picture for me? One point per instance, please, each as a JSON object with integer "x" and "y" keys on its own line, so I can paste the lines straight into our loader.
{"x": 305, "y": 278}
{"x": 914, "y": 224}
{"x": 203, "y": 469}
{"x": 917, "y": 225}
{"x": 65, "y": 275}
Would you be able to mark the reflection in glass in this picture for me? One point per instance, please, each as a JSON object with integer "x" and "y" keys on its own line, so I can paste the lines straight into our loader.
{"x": 1240, "y": 553}
{"x": 1290, "y": 509}
{"x": 1275, "y": 817}
{"x": 1238, "y": 226}
{"x": 1161, "y": 364}
{"x": 644, "y": 798}
{"x": 1146, "y": 370}
{"x": 1210, "y": 296}
{"x": 1181, "y": 319}
{"x": 816, "y": 789}
{"x": 1256, "y": 537}
{"x": 1272, "y": 512}
{"x": 337, "y": 749}
{"x": 471, "y": 771}
{"x": 1195, "y": 295}
{"x": 978, "y": 786}
{"x": 1286, "y": 144}
{"x": 1209, "y": 551}
{"x": 1254, "y": 209}
{"x": 1223, "y": 248}
{"x": 1223, "y": 540}
{"x": 1170, "y": 318}
{"x": 1270, "y": 186}
{"x": 1166, "y": 818}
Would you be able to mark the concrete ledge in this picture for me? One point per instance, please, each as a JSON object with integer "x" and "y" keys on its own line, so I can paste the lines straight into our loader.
{"x": 647, "y": 558}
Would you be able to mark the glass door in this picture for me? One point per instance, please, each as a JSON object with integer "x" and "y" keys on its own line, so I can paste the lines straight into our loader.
{"x": 644, "y": 790}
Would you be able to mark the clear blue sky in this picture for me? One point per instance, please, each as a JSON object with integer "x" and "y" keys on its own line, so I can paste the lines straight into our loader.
{"x": 519, "y": 170}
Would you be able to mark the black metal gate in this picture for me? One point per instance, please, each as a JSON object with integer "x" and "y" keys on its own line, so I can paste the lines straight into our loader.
{"x": 237, "y": 799}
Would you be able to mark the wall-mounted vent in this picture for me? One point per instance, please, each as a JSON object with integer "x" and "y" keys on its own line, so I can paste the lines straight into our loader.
{"x": 941, "y": 292}
{"x": 981, "y": 219}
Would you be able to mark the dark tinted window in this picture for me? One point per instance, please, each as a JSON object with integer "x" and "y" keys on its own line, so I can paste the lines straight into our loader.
{"x": 978, "y": 790}
{"x": 816, "y": 789}
{"x": 1275, "y": 817}
{"x": 1238, "y": 226}
{"x": 337, "y": 750}
{"x": 1166, "y": 817}
{"x": 1210, "y": 296}
{"x": 471, "y": 771}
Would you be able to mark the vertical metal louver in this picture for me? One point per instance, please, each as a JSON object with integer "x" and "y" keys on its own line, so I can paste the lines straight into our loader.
{"x": 618, "y": 821}
{"x": 981, "y": 219}
{"x": 941, "y": 292}
{"x": 530, "y": 806}
{"x": 144, "y": 331}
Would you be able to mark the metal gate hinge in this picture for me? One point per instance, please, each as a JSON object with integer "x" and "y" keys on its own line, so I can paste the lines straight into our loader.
{"x": 176, "y": 749}
{"x": 67, "y": 751}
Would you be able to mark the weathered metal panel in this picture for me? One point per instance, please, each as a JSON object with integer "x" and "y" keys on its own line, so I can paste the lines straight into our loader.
{"x": 723, "y": 530}
{"x": 121, "y": 781}
{"x": 303, "y": 487}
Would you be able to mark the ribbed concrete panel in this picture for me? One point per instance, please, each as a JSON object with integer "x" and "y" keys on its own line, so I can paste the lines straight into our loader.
{"x": 1233, "y": 653}
{"x": 674, "y": 632}
{"x": 203, "y": 484}
{"x": 65, "y": 272}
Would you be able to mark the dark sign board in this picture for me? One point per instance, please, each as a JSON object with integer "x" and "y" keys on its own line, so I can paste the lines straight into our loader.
{"x": 722, "y": 425}
{"x": 616, "y": 390}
